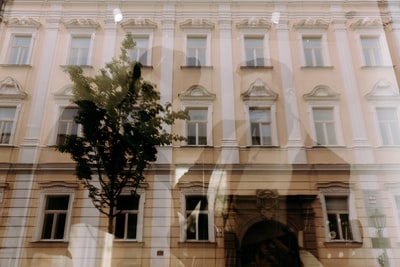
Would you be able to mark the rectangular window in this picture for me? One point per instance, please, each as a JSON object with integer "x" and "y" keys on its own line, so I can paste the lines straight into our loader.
{"x": 55, "y": 217}
{"x": 324, "y": 124}
{"x": 313, "y": 51}
{"x": 140, "y": 52}
{"x": 7, "y": 117}
{"x": 388, "y": 125}
{"x": 20, "y": 48}
{"x": 197, "y": 127}
{"x": 337, "y": 208}
{"x": 67, "y": 125}
{"x": 79, "y": 52}
{"x": 254, "y": 51}
{"x": 196, "y": 51}
{"x": 126, "y": 223}
{"x": 371, "y": 50}
{"x": 260, "y": 126}
{"x": 196, "y": 218}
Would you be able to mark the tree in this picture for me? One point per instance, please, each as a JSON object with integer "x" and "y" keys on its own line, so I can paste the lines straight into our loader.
{"x": 122, "y": 124}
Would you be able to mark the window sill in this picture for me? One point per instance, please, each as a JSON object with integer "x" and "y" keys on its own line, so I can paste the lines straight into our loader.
{"x": 316, "y": 67}
{"x": 197, "y": 244}
{"x": 262, "y": 146}
{"x": 82, "y": 66}
{"x": 328, "y": 146}
{"x": 377, "y": 66}
{"x": 197, "y": 146}
{"x": 196, "y": 67}
{"x": 256, "y": 67}
{"x": 343, "y": 243}
{"x": 131, "y": 242}
{"x": 16, "y": 65}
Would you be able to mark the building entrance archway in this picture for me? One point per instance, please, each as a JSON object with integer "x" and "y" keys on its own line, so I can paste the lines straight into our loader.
{"x": 269, "y": 243}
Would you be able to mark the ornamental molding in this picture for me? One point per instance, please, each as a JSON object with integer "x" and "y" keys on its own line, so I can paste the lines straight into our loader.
{"x": 367, "y": 23}
{"x": 383, "y": 90}
{"x": 335, "y": 187}
{"x": 66, "y": 93}
{"x": 58, "y": 187}
{"x": 322, "y": 92}
{"x": 138, "y": 23}
{"x": 259, "y": 90}
{"x": 195, "y": 93}
{"x": 22, "y": 23}
{"x": 311, "y": 24}
{"x": 10, "y": 89}
{"x": 197, "y": 24}
{"x": 81, "y": 23}
{"x": 254, "y": 23}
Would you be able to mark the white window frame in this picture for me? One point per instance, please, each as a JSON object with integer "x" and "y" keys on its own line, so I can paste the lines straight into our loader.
{"x": 197, "y": 189}
{"x": 336, "y": 120}
{"x": 147, "y": 33}
{"x": 338, "y": 189}
{"x": 54, "y": 189}
{"x": 315, "y": 33}
{"x": 140, "y": 191}
{"x": 394, "y": 190}
{"x": 374, "y": 33}
{"x": 375, "y": 116}
{"x": 80, "y": 33}
{"x": 10, "y": 35}
{"x": 209, "y": 108}
{"x": 59, "y": 113}
{"x": 11, "y": 104}
{"x": 196, "y": 33}
{"x": 262, "y": 105}
{"x": 262, "y": 34}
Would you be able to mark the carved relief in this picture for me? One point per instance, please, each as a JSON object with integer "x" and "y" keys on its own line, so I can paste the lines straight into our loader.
{"x": 9, "y": 88}
{"x": 267, "y": 202}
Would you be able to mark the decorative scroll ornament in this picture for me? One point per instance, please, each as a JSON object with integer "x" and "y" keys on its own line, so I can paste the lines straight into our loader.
{"x": 267, "y": 202}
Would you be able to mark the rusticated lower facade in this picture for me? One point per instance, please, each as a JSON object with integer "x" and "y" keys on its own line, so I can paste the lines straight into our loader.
{"x": 292, "y": 151}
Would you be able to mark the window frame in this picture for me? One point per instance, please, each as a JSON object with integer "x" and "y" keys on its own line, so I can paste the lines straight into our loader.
{"x": 207, "y": 107}
{"x": 60, "y": 111}
{"x": 339, "y": 189}
{"x": 149, "y": 37}
{"x": 384, "y": 50}
{"x": 377, "y": 123}
{"x": 29, "y": 49}
{"x": 273, "y": 128}
{"x": 140, "y": 192}
{"x": 54, "y": 189}
{"x": 197, "y": 33}
{"x": 304, "y": 32}
{"x": 326, "y": 132}
{"x": 196, "y": 189}
{"x": 262, "y": 34}
{"x": 17, "y": 107}
{"x": 72, "y": 35}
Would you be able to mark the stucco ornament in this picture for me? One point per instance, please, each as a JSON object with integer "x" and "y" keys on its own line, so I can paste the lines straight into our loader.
{"x": 267, "y": 202}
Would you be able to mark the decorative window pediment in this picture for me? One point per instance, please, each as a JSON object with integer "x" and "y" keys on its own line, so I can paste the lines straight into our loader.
{"x": 259, "y": 90}
{"x": 322, "y": 92}
{"x": 56, "y": 187}
{"x": 81, "y": 23}
{"x": 311, "y": 24}
{"x": 334, "y": 186}
{"x": 10, "y": 89}
{"x": 138, "y": 23}
{"x": 383, "y": 90}
{"x": 367, "y": 23}
{"x": 66, "y": 93}
{"x": 254, "y": 23}
{"x": 196, "y": 92}
{"x": 197, "y": 24}
{"x": 22, "y": 23}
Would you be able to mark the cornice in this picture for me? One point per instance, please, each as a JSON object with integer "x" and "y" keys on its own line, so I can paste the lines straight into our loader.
{"x": 138, "y": 23}
{"x": 81, "y": 23}
{"x": 22, "y": 23}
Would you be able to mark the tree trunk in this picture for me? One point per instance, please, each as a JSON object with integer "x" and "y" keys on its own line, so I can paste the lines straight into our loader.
{"x": 111, "y": 219}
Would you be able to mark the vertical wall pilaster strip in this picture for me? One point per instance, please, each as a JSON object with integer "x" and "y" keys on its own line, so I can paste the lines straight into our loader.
{"x": 230, "y": 153}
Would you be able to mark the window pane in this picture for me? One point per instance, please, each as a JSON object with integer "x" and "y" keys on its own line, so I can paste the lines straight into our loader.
{"x": 371, "y": 50}
{"x": 254, "y": 51}
{"x": 139, "y": 52}
{"x": 196, "y": 51}
{"x": 132, "y": 226}
{"x": 7, "y": 116}
{"x": 336, "y": 203}
{"x": 333, "y": 226}
{"x": 255, "y": 134}
{"x": 60, "y": 226}
{"x": 198, "y": 114}
{"x": 266, "y": 134}
{"x": 47, "y": 226}
{"x": 330, "y": 131}
{"x": 202, "y": 129}
{"x": 191, "y": 226}
{"x": 388, "y": 125}
{"x": 196, "y": 203}
{"x": 346, "y": 227}
{"x": 120, "y": 226}
{"x": 128, "y": 202}
{"x": 79, "y": 50}
{"x": 323, "y": 114}
{"x": 191, "y": 138}
{"x": 57, "y": 202}
{"x": 20, "y": 50}
{"x": 203, "y": 226}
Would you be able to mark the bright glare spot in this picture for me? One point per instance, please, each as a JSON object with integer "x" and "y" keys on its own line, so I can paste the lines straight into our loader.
{"x": 117, "y": 15}
{"x": 275, "y": 17}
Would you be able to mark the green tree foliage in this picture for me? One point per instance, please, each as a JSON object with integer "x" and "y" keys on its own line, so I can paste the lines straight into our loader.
{"x": 123, "y": 124}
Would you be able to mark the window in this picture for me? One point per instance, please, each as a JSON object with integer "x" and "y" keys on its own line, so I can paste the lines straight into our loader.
{"x": 197, "y": 213}
{"x": 196, "y": 223}
{"x": 7, "y": 118}
{"x": 55, "y": 216}
{"x": 140, "y": 52}
{"x": 67, "y": 125}
{"x": 197, "y": 126}
{"x": 371, "y": 50}
{"x": 260, "y": 126}
{"x": 126, "y": 223}
{"x": 20, "y": 49}
{"x": 79, "y": 50}
{"x": 254, "y": 51}
{"x": 337, "y": 209}
{"x": 54, "y": 211}
{"x": 313, "y": 55}
{"x": 388, "y": 123}
{"x": 339, "y": 212}
{"x": 324, "y": 125}
{"x": 196, "y": 51}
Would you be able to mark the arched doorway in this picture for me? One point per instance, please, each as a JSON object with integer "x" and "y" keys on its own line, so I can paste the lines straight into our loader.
{"x": 269, "y": 243}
